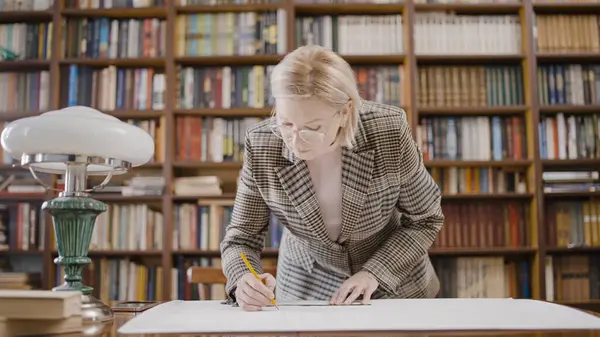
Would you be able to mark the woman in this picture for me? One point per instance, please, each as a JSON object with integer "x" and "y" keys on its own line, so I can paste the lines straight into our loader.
{"x": 346, "y": 179}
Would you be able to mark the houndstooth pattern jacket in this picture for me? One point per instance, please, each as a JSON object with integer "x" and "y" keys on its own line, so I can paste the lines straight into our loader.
{"x": 391, "y": 213}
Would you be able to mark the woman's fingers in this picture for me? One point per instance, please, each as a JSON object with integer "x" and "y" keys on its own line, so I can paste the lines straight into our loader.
{"x": 269, "y": 281}
{"x": 343, "y": 292}
{"x": 252, "y": 294}
{"x": 367, "y": 295}
{"x": 358, "y": 290}
{"x": 253, "y": 297}
{"x": 260, "y": 287}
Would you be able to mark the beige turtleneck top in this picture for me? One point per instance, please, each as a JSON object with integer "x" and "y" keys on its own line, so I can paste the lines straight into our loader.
{"x": 326, "y": 174}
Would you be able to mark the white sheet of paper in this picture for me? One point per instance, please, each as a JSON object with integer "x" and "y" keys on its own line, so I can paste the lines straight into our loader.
{"x": 308, "y": 303}
{"x": 402, "y": 315}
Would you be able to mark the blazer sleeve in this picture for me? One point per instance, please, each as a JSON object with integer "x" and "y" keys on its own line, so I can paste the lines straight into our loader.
{"x": 247, "y": 229}
{"x": 422, "y": 219}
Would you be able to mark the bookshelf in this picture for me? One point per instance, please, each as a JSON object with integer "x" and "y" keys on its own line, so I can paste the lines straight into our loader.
{"x": 481, "y": 70}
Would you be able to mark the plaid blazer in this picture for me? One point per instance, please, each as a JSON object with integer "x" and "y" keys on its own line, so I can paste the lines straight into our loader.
{"x": 391, "y": 213}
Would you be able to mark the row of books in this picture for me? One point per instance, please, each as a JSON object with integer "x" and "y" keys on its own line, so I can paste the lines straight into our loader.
{"x": 212, "y": 87}
{"x": 572, "y": 278}
{"x": 201, "y": 227}
{"x": 259, "y": 33}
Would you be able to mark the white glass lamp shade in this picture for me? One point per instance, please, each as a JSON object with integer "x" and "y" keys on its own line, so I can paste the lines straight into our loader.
{"x": 80, "y": 131}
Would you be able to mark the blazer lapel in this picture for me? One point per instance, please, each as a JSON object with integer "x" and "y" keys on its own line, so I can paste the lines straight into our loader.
{"x": 297, "y": 184}
{"x": 357, "y": 170}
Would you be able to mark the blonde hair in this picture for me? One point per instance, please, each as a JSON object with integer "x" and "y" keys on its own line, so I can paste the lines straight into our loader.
{"x": 314, "y": 72}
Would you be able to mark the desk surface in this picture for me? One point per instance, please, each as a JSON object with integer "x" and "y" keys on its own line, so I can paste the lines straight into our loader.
{"x": 109, "y": 329}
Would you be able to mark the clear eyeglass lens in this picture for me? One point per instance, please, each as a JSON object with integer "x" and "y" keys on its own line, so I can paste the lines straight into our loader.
{"x": 311, "y": 137}
{"x": 307, "y": 136}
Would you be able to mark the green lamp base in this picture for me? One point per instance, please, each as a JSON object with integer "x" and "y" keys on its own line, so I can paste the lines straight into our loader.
{"x": 74, "y": 218}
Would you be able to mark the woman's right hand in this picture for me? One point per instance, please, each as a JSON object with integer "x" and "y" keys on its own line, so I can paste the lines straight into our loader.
{"x": 252, "y": 294}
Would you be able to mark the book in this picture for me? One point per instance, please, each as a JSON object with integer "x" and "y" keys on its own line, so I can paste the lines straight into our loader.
{"x": 39, "y": 327}
{"x": 39, "y": 304}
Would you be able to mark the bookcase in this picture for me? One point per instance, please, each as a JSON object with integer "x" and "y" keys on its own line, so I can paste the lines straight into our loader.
{"x": 502, "y": 96}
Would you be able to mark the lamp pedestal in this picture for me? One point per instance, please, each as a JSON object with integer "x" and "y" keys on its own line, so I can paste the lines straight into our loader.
{"x": 74, "y": 216}
{"x": 74, "y": 219}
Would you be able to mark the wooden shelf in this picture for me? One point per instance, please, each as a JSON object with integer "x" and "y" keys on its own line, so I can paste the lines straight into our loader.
{"x": 569, "y": 57}
{"x": 467, "y": 59}
{"x": 472, "y": 8}
{"x": 21, "y": 65}
{"x": 132, "y": 62}
{"x": 232, "y": 112}
{"x": 474, "y": 163}
{"x": 118, "y": 198}
{"x": 120, "y": 253}
{"x": 195, "y": 198}
{"x": 25, "y": 16}
{"x": 216, "y": 253}
{"x": 478, "y": 196}
{"x": 192, "y": 9}
{"x": 374, "y": 59}
{"x": 571, "y": 109}
{"x": 565, "y": 8}
{"x": 229, "y": 60}
{"x": 150, "y": 166}
{"x": 117, "y": 13}
{"x": 353, "y": 8}
{"x": 572, "y": 195}
{"x": 493, "y": 251}
{"x": 574, "y": 250}
{"x": 571, "y": 164}
{"x": 207, "y": 165}
{"x": 474, "y": 111}
{"x": 135, "y": 114}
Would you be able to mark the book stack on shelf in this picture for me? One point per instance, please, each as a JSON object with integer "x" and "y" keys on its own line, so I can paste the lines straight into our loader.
{"x": 502, "y": 97}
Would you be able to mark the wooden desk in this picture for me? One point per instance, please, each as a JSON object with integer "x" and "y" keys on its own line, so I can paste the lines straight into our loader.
{"x": 110, "y": 330}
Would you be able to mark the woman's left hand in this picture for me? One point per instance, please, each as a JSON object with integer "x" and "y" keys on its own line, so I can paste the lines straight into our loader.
{"x": 361, "y": 283}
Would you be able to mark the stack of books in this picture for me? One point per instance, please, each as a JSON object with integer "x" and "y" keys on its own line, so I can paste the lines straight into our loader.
{"x": 39, "y": 312}
{"x": 14, "y": 281}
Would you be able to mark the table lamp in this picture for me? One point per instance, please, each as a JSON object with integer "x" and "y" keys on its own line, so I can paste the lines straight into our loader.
{"x": 77, "y": 142}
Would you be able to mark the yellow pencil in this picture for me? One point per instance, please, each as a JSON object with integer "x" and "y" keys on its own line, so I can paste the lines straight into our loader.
{"x": 255, "y": 275}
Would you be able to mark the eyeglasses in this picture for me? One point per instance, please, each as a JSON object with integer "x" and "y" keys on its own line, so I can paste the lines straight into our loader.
{"x": 286, "y": 132}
